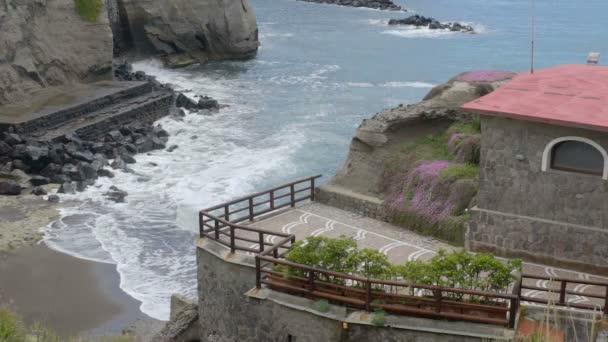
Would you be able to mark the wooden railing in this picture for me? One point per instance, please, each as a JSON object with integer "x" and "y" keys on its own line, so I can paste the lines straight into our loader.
{"x": 220, "y": 222}
{"x": 560, "y": 295}
{"x": 399, "y": 297}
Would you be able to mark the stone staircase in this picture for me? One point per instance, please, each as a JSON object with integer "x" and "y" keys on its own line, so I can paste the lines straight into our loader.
{"x": 87, "y": 110}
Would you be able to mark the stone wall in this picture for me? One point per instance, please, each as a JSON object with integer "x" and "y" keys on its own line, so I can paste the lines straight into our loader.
{"x": 552, "y": 216}
{"x": 46, "y": 43}
{"x": 231, "y": 309}
{"x": 345, "y": 199}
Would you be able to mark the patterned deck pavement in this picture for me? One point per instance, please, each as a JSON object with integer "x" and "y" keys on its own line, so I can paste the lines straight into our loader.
{"x": 401, "y": 245}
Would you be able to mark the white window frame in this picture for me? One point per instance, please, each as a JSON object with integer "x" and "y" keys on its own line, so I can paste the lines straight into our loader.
{"x": 546, "y": 162}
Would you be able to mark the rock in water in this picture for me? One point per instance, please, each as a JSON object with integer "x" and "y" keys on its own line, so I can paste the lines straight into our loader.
{"x": 53, "y": 199}
{"x": 192, "y": 31}
{"x": 38, "y": 191}
{"x": 116, "y": 195}
{"x": 10, "y": 187}
{"x": 432, "y": 24}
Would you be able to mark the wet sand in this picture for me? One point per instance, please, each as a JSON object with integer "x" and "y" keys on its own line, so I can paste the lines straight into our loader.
{"x": 70, "y": 295}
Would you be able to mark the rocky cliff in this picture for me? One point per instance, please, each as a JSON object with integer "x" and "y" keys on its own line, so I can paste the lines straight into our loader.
{"x": 189, "y": 31}
{"x": 382, "y": 137}
{"x": 46, "y": 42}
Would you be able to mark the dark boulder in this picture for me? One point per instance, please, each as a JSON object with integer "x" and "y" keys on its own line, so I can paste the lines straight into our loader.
{"x": 9, "y": 187}
{"x": 51, "y": 170}
{"x": 38, "y": 191}
{"x": 128, "y": 158}
{"x": 39, "y": 180}
{"x": 144, "y": 144}
{"x": 184, "y": 101}
{"x": 85, "y": 156}
{"x": 159, "y": 132}
{"x": 60, "y": 179}
{"x": 5, "y": 149}
{"x": 105, "y": 173}
{"x": 87, "y": 170}
{"x": 72, "y": 171}
{"x": 116, "y": 195}
{"x": 12, "y": 138}
{"x": 172, "y": 148}
{"x": 35, "y": 157}
{"x": 208, "y": 103}
{"x": 20, "y": 165}
{"x": 115, "y": 136}
{"x": 433, "y": 24}
{"x": 53, "y": 198}
{"x": 118, "y": 164}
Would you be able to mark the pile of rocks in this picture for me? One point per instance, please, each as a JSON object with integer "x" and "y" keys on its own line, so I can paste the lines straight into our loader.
{"x": 71, "y": 162}
{"x": 431, "y": 23}
{"x": 376, "y": 4}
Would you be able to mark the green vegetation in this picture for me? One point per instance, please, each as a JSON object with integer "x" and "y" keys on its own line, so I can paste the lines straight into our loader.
{"x": 321, "y": 305}
{"x": 456, "y": 172}
{"x": 89, "y": 9}
{"x": 431, "y": 147}
{"x": 466, "y": 127}
{"x": 379, "y": 318}
{"x": 12, "y": 329}
{"x": 456, "y": 269}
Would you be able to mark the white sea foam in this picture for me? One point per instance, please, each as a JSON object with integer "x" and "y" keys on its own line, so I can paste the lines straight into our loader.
{"x": 150, "y": 238}
{"x": 407, "y": 85}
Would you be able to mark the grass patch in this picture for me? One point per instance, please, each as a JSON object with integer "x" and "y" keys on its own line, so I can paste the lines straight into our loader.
{"x": 89, "y": 9}
{"x": 12, "y": 329}
{"x": 459, "y": 171}
{"x": 466, "y": 127}
{"x": 321, "y": 305}
{"x": 379, "y": 318}
{"x": 431, "y": 147}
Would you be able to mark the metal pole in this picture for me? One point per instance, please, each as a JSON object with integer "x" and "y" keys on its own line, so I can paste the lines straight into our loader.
{"x": 533, "y": 34}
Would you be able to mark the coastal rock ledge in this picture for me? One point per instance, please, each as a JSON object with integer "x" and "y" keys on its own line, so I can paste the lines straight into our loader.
{"x": 431, "y": 24}
{"x": 376, "y": 4}
{"x": 184, "y": 32}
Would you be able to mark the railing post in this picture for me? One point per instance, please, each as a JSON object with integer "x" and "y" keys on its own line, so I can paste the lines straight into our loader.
{"x": 438, "y": 299}
{"x": 232, "y": 245}
{"x": 562, "y": 292}
{"x": 227, "y": 213}
{"x": 368, "y": 295}
{"x": 258, "y": 273}
{"x": 606, "y": 302}
{"x": 251, "y": 209}
{"x": 312, "y": 189}
{"x": 293, "y": 195}
{"x": 261, "y": 236}
{"x": 272, "y": 199}
{"x": 275, "y": 253}
{"x": 201, "y": 224}
{"x": 513, "y": 312}
{"x": 311, "y": 281}
{"x": 217, "y": 229}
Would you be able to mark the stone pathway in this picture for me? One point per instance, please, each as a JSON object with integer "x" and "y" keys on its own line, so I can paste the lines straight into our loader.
{"x": 401, "y": 245}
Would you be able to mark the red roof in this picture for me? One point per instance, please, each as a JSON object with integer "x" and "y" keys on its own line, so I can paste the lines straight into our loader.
{"x": 566, "y": 95}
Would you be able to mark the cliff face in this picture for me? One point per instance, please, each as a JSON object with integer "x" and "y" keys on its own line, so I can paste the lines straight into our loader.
{"x": 189, "y": 31}
{"x": 46, "y": 43}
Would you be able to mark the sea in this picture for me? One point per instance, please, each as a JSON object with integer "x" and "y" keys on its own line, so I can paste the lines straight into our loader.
{"x": 292, "y": 111}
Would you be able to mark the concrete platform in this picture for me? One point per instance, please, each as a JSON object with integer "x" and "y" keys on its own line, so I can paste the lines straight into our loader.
{"x": 401, "y": 245}
{"x": 84, "y": 109}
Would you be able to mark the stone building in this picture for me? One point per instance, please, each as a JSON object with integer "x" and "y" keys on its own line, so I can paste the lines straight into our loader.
{"x": 544, "y": 168}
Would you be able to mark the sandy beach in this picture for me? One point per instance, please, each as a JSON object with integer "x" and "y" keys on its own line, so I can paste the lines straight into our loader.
{"x": 69, "y": 295}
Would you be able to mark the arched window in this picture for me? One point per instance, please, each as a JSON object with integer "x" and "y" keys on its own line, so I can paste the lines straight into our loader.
{"x": 575, "y": 154}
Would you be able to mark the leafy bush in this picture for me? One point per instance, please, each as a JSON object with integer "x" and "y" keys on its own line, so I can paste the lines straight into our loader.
{"x": 467, "y": 127}
{"x": 11, "y": 328}
{"x": 456, "y": 269}
{"x": 379, "y": 318}
{"x": 455, "y": 172}
{"x": 460, "y": 269}
{"x": 89, "y": 9}
{"x": 321, "y": 305}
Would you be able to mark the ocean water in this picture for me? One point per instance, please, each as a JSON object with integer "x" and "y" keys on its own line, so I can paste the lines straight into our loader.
{"x": 292, "y": 111}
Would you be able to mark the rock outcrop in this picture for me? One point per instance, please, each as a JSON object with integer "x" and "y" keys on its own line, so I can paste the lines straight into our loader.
{"x": 190, "y": 31}
{"x": 46, "y": 43}
{"x": 379, "y": 138}
{"x": 376, "y": 4}
{"x": 432, "y": 24}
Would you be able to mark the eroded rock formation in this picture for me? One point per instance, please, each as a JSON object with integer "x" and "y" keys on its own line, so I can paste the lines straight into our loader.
{"x": 379, "y": 138}
{"x": 188, "y": 31}
{"x": 46, "y": 43}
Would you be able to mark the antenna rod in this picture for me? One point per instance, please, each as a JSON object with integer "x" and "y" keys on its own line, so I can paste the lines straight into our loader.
{"x": 533, "y": 35}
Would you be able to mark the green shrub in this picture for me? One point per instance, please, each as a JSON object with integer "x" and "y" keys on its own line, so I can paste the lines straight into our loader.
{"x": 379, "y": 318}
{"x": 431, "y": 147}
{"x": 455, "y": 172}
{"x": 89, "y": 9}
{"x": 371, "y": 264}
{"x": 321, "y": 305}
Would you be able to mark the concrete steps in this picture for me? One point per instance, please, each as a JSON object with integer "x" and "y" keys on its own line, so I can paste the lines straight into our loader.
{"x": 88, "y": 110}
